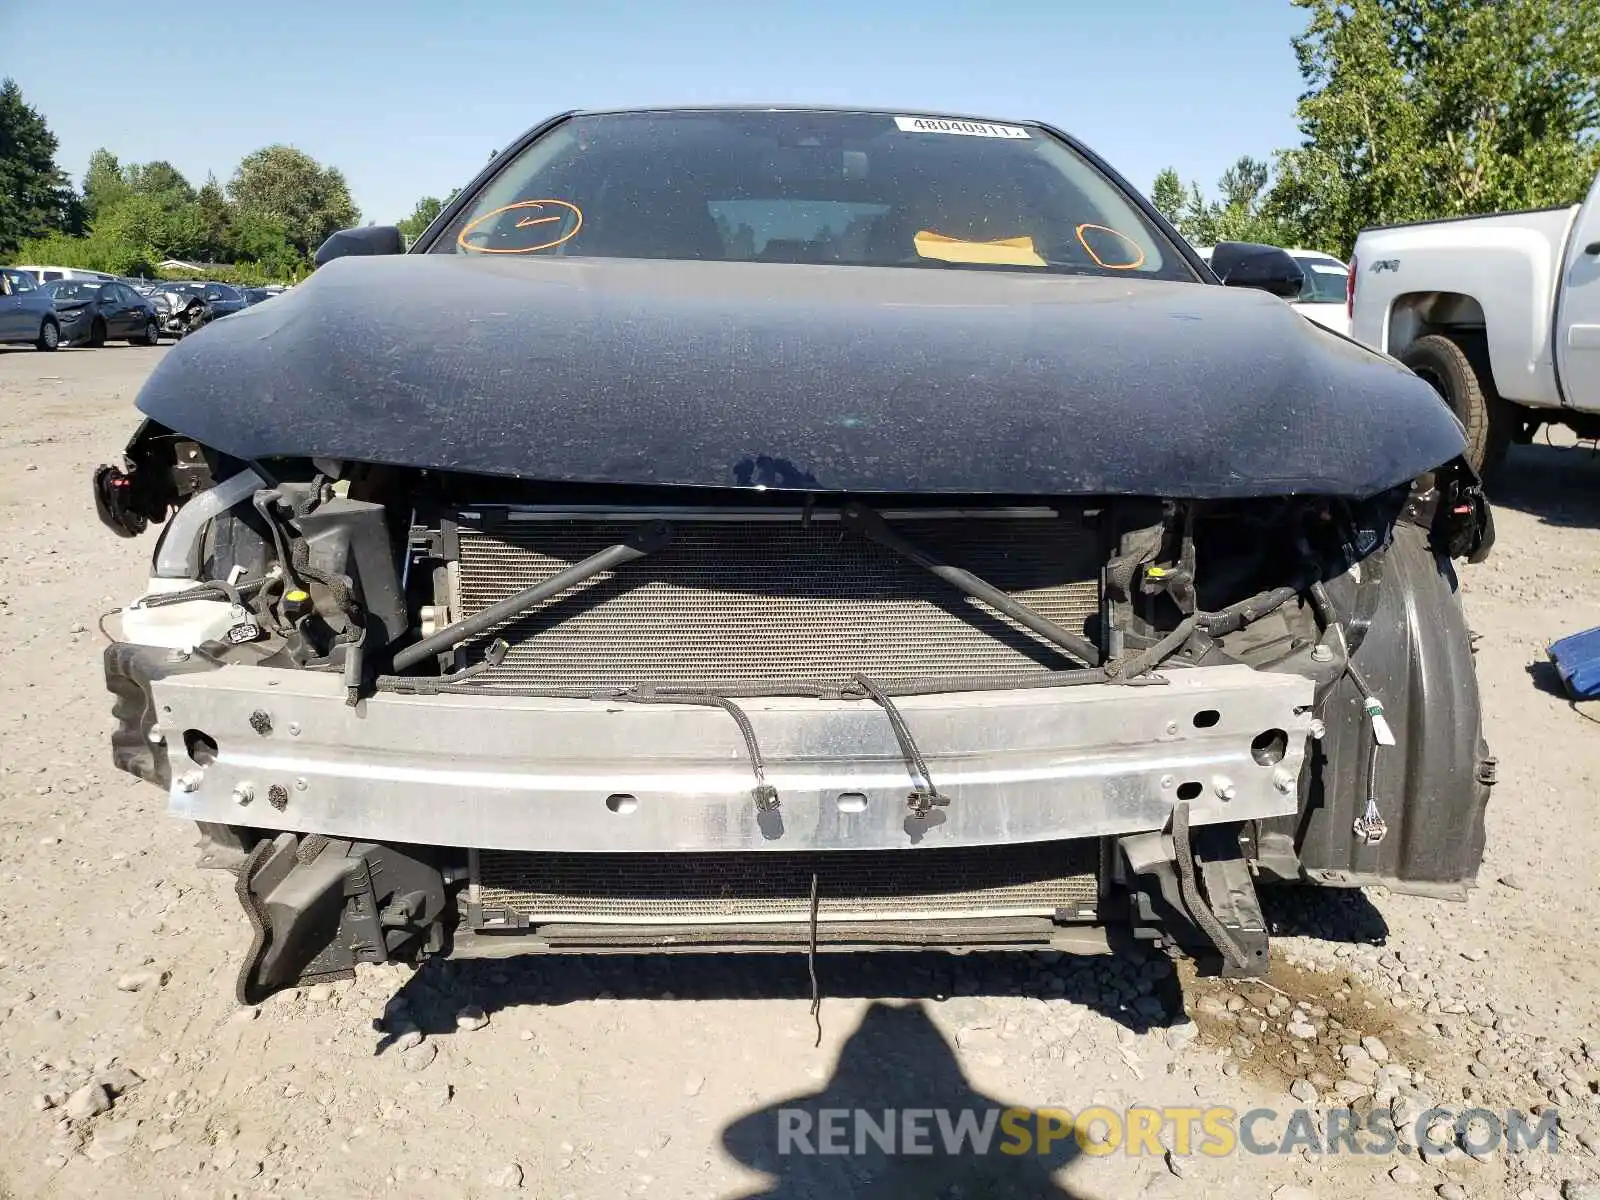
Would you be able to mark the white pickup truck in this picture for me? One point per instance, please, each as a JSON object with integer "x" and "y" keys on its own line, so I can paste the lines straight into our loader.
{"x": 1501, "y": 314}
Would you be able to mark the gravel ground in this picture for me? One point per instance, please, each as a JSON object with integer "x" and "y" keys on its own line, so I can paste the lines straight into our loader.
{"x": 125, "y": 1068}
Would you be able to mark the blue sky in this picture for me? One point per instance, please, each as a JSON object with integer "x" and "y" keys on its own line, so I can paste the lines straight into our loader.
{"x": 410, "y": 98}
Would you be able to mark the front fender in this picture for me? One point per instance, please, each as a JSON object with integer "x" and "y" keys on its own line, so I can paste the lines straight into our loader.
{"x": 1432, "y": 786}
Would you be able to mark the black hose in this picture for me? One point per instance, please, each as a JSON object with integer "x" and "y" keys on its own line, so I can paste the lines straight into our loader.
{"x": 337, "y": 586}
{"x": 811, "y": 958}
{"x": 214, "y": 589}
{"x": 1356, "y": 677}
{"x": 1244, "y": 612}
{"x": 646, "y": 540}
{"x": 764, "y": 794}
{"x": 263, "y": 504}
{"x": 1196, "y": 904}
{"x": 274, "y": 583}
{"x": 993, "y": 683}
{"x": 924, "y": 792}
{"x": 1329, "y": 617}
{"x": 354, "y": 668}
{"x": 424, "y": 685}
{"x": 1323, "y": 603}
{"x": 1151, "y": 656}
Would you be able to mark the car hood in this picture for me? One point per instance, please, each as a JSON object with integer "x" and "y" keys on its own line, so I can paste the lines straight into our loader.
{"x": 837, "y": 379}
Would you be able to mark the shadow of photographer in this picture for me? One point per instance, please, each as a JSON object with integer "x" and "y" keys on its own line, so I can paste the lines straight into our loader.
{"x": 898, "y": 1119}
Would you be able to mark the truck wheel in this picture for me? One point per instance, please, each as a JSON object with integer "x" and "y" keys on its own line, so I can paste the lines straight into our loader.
{"x": 1463, "y": 379}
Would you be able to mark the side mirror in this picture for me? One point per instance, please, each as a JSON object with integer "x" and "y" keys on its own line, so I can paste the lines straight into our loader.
{"x": 365, "y": 239}
{"x": 1251, "y": 265}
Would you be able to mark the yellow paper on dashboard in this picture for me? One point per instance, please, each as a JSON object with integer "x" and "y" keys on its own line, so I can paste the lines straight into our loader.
{"x": 1004, "y": 252}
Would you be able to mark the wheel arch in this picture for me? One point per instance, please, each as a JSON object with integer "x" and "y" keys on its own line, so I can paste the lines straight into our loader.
{"x": 1458, "y": 316}
{"x": 1432, "y": 786}
{"x": 1498, "y": 288}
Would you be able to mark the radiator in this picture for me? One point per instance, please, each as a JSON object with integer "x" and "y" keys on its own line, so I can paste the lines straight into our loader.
{"x": 740, "y": 601}
{"x": 1056, "y": 880}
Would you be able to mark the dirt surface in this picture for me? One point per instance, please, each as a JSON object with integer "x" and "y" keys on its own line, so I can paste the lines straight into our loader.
{"x": 125, "y": 1068}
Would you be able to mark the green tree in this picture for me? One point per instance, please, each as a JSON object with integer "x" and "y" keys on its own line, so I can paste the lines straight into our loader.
{"x": 160, "y": 179}
{"x": 1243, "y": 183}
{"x": 288, "y": 187}
{"x": 1433, "y": 108}
{"x": 1168, "y": 195}
{"x": 96, "y": 252}
{"x": 103, "y": 184}
{"x": 35, "y": 194}
{"x": 1238, "y": 215}
{"x": 215, "y": 217}
{"x": 422, "y": 216}
{"x": 143, "y": 223}
{"x": 262, "y": 240}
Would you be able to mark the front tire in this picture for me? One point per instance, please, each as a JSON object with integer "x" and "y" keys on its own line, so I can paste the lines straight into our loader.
{"x": 1464, "y": 381}
{"x": 49, "y": 336}
{"x": 150, "y": 336}
{"x": 97, "y": 334}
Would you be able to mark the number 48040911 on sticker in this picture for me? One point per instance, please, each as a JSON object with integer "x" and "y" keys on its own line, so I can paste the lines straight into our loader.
{"x": 963, "y": 128}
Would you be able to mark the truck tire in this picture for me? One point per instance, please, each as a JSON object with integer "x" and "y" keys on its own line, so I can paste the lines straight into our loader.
{"x": 1460, "y": 373}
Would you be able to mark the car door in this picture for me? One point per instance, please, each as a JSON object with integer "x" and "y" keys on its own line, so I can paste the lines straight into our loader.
{"x": 139, "y": 314}
{"x": 9, "y": 307}
{"x": 1577, "y": 320}
{"x": 222, "y": 299}
{"x": 123, "y": 319}
{"x": 16, "y": 313}
{"x": 105, "y": 303}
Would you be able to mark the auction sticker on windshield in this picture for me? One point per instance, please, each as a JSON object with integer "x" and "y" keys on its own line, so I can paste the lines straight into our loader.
{"x": 965, "y": 128}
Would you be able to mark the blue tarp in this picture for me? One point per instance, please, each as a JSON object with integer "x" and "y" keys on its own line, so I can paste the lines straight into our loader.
{"x": 1577, "y": 660}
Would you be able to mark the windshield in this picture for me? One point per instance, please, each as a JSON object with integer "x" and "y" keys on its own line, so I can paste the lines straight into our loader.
{"x": 75, "y": 289}
{"x": 1327, "y": 280}
{"x": 811, "y": 187}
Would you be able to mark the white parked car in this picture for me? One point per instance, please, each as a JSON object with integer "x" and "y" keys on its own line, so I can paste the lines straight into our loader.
{"x": 1324, "y": 296}
{"x": 1501, "y": 314}
{"x": 51, "y": 274}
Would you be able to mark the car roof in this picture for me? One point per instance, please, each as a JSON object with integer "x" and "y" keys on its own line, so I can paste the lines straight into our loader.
{"x": 843, "y": 109}
{"x": 93, "y": 274}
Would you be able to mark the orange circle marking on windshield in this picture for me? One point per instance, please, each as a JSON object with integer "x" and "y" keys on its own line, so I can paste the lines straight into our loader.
{"x": 525, "y": 223}
{"x": 1098, "y": 261}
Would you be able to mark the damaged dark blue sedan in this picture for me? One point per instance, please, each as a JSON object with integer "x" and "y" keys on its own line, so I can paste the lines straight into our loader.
{"x": 754, "y": 529}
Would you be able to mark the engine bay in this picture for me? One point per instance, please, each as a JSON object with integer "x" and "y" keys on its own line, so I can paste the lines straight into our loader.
{"x": 425, "y": 712}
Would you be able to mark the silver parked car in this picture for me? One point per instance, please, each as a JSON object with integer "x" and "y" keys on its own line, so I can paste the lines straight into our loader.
{"x": 27, "y": 313}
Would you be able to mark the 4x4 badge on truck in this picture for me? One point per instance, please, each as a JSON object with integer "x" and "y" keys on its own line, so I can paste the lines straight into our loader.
{"x": 1385, "y": 264}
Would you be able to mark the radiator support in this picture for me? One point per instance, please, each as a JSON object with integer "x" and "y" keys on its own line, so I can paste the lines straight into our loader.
{"x": 1055, "y": 881}
{"x": 741, "y": 597}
